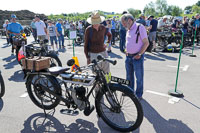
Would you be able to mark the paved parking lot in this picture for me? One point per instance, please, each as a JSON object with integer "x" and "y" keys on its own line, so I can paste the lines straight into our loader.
{"x": 162, "y": 113}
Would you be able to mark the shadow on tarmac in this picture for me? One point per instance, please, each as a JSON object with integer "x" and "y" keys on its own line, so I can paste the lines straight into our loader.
{"x": 1, "y": 104}
{"x": 5, "y": 45}
{"x": 148, "y": 56}
{"x": 191, "y": 103}
{"x": 11, "y": 65}
{"x": 37, "y": 123}
{"x": 17, "y": 76}
{"x": 9, "y": 58}
{"x": 159, "y": 54}
{"x": 160, "y": 124}
{"x": 113, "y": 55}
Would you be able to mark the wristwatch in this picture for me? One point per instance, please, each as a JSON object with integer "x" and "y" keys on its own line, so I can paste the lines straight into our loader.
{"x": 139, "y": 54}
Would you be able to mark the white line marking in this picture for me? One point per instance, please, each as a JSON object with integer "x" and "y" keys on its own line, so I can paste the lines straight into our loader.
{"x": 172, "y": 100}
{"x": 75, "y": 53}
{"x": 158, "y": 93}
{"x": 24, "y": 95}
{"x": 185, "y": 68}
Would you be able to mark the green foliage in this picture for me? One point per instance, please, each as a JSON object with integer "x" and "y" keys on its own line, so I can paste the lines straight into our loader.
{"x": 157, "y": 9}
{"x": 188, "y": 8}
{"x": 161, "y": 7}
{"x": 198, "y": 3}
{"x": 196, "y": 8}
{"x": 176, "y": 11}
{"x": 150, "y": 9}
{"x": 134, "y": 12}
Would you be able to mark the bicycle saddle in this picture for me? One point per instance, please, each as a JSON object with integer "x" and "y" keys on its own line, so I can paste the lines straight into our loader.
{"x": 57, "y": 70}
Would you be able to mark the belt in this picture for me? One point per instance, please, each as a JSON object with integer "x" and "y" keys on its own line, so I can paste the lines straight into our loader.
{"x": 132, "y": 54}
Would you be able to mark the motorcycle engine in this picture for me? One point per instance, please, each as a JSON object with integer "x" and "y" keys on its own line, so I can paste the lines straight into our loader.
{"x": 78, "y": 94}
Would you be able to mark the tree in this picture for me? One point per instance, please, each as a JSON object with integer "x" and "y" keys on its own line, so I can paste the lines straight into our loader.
{"x": 169, "y": 10}
{"x": 188, "y": 8}
{"x": 176, "y": 11}
{"x": 198, "y": 3}
{"x": 161, "y": 7}
{"x": 150, "y": 9}
{"x": 196, "y": 8}
{"x": 134, "y": 12}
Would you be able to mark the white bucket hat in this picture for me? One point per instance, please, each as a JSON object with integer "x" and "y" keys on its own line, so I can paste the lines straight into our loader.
{"x": 95, "y": 18}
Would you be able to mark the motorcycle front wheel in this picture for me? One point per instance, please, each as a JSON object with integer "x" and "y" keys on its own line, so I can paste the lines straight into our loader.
{"x": 125, "y": 116}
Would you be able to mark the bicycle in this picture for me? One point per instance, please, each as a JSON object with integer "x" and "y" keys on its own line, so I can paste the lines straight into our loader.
{"x": 2, "y": 86}
{"x": 112, "y": 100}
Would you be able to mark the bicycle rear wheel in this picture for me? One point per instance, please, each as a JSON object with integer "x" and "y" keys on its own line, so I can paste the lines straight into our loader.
{"x": 125, "y": 117}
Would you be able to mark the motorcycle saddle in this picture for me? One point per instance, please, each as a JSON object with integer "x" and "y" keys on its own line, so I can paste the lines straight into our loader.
{"x": 57, "y": 70}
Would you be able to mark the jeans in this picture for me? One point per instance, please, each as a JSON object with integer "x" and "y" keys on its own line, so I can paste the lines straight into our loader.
{"x": 135, "y": 67}
{"x": 53, "y": 38}
{"x": 61, "y": 38}
{"x": 35, "y": 34}
{"x": 122, "y": 40}
{"x": 113, "y": 36}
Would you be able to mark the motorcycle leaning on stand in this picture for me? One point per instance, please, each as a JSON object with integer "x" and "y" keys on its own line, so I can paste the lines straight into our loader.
{"x": 113, "y": 98}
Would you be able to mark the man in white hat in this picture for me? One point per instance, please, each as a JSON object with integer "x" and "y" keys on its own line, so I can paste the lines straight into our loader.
{"x": 94, "y": 40}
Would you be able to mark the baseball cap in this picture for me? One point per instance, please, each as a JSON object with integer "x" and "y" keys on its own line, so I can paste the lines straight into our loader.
{"x": 13, "y": 16}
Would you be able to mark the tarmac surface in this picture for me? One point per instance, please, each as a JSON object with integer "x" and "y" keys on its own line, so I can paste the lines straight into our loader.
{"x": 162, "y": 113}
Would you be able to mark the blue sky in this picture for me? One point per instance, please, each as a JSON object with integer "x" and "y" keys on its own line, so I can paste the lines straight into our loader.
{"x": 70, "y": 6}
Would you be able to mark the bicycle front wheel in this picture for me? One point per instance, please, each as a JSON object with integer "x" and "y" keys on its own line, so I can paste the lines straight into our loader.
{"x": 123, "y": 112}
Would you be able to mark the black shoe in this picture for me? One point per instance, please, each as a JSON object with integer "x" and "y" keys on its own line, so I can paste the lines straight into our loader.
{"x": 109, "y": 51}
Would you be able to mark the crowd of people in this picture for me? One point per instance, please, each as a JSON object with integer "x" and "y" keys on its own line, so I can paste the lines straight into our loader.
{"x": 99, "y": 35}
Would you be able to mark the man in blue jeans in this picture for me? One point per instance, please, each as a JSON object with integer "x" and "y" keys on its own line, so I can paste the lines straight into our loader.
{"x": 60, "y": 34}
{"x": 136, "y": 44}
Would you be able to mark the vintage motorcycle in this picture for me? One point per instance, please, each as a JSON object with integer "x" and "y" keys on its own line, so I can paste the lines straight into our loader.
{"x": 115, "y": 102}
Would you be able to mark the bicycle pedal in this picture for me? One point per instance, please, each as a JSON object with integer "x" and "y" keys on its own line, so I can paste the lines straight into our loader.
{"x": 69, "y": 112}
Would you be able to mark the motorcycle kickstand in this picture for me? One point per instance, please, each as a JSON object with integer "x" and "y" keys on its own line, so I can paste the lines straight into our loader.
{"x": 45, "y": 114}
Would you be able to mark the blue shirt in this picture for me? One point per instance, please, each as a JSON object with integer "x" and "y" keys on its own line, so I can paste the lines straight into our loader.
{"x": 15, "y": 27}
{"x": 33, "y": 25}
{"x": 154, "y": 24}
{"x": 113, "y": 24}
{"x": 196, "y": 23}
{"x": 59, "y": 27}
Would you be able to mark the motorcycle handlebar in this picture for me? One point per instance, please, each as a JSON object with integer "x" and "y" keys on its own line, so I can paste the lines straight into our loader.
{"x": 100, "y": 57}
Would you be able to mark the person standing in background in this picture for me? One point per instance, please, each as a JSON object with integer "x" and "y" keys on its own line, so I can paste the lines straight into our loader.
{"x": 41, "y": 29}
{"x": 5, "y": 26}
{"x": 59, "y": 30}
{"x": 113, "y": 28}
{"x": 34, "y": 30}
{"x": 122, "y": 33}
